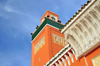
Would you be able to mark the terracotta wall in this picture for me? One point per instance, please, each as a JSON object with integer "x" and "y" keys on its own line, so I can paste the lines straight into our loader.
{"x": 42, "y": 56}
{"x": 48, "y": 50}
{"x": 85, "y": 60}
{"x": 91, "y": 55}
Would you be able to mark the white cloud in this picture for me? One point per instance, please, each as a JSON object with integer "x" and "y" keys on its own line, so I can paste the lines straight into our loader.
{"x": 9, "y": 9}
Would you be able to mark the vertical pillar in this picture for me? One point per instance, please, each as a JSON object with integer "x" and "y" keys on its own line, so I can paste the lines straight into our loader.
{"x": 60, "y": 63}
{"x": 63, "y": 60}
{"x": 70, "y": 54}
{"x": 67, "y": 58}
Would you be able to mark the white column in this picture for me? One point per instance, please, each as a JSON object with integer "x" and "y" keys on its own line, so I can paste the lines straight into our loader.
{"x": 96, "y": 13}
{"x": 64, "y": 61}
{"x": 74, "y": 54}
{"x": 77, "y": 38}
{"x": 97, "y": 10}
{"x": 60, "y": 63}
{"x": 82, "y": 35}
{"x": 94, "y": 19}
{"x": 56, "y": 64}
{"x": 67, "y": 58}
{"x": 98, "y": 17}
{"x": 91, "y": 23}
{"x": 74, "y": 44}
{"x": 71, "y": 56}
{"x": 87, "y": 33}
{"x": 86, "y": 28}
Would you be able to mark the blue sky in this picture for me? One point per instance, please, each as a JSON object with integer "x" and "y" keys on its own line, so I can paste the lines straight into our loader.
{"x": 18, "y": 18}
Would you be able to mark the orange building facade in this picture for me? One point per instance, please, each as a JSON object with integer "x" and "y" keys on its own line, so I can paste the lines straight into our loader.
{"x": 77, "y": 43}
{"x": 46, "y": 38}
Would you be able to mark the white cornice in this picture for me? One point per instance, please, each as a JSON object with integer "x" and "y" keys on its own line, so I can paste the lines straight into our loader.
{"x": 62, "y": 31}
{"x": 58, "y": 54}
{"x": 43, "y": 28}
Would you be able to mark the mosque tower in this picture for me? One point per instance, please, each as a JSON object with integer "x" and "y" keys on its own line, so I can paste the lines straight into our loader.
{"x": 47, "y": 40}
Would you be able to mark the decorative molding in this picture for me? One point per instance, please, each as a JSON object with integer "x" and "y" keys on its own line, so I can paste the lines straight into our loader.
{"x": 60, "y": 63}
{"x": 59, "y": 40}
{"x": 71, "y": 56}
{"x": 96, "y": 60}
{"x": 40, "y": 44}
{"x": 42, "y": 26}
{"x": 87, "y": 28}
{"x": 70, "y": 23}
{"x": 64, "y": 61}
{"x": 58, "y": 55}
{"x": 67, "y": 58}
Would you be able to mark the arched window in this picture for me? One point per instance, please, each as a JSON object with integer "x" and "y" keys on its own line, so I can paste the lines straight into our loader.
{"x": 61, "y": 40}
{"x": 53, "y": 18}
{"x": 42, "y": 40}
{"x": 65, "y": 41}
{"x": 56, "y": 38}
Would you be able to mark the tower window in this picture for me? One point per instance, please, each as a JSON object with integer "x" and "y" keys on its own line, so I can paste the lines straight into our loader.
{"x": 60, "y": 40}
{"x": 53, "y": 18}
{"x": 65, "y": 41}
{"x": 56, "y": 38}
{"x": 42, "y": 40}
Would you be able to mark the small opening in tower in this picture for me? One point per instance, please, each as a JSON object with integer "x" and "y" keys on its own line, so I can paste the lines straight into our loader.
{"x": 65, "y": 41}
{"x": 56, "y": 38}
{"x": 53, "y": 18}
{"x": 60, "y": 40}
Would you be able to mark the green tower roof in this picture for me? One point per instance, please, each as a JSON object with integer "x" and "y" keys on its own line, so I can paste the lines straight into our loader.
{"x": 49, "y": 22}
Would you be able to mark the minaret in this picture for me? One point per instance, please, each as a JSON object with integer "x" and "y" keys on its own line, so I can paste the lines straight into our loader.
{"x": 47, "y": 40}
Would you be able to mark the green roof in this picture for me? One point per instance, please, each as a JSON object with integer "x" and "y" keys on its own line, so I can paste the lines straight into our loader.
{"x": 47, "y": 21}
